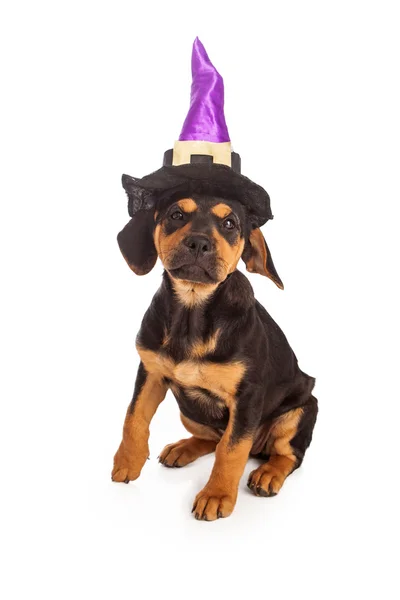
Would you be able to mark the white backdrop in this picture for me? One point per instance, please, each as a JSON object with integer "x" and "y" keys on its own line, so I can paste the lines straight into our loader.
{"x": 94, "y": 89}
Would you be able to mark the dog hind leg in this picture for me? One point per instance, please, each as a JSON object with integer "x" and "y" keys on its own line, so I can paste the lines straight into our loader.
{"x": 289, "y": 437}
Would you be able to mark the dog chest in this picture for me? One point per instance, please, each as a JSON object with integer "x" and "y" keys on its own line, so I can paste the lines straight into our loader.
{"x": 221, "y": 379}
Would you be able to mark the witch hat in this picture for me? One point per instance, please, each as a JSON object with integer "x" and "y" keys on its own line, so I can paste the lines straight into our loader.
{"x": 204, "y": 137}
{"x": 202, "y": 160}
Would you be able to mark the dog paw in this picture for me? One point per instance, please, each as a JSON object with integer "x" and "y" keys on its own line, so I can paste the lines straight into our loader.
{"x": 176, "y": 455}
{"x": 124, "y": 474}
{"x": 209, "y": 506}
{"x": 184, "y": 452}
{"x": 126, "y": 467}
{"x": 265, "y": 481}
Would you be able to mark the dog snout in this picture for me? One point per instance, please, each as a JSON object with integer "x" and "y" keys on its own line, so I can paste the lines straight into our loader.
{"x": 198, "y": 244}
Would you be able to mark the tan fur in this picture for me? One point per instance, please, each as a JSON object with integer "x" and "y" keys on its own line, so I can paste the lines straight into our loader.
{"x": 282, "y": 431}
{"x": 257, "y": 262}
{"x": 192, "y": 294}
{"x": 134, "y": 450}
{"x": 221, "y": 210}
{"x": 167, "y": 244}
{"x": 186, "y": 451}
{"x": 218, "y": 498}
{"x": 229, "y": 255}
{"x": 268, "y": 479}
{"x": 220, "y": 379}
{"x": 200, "y": 348}
{"x": 187, "y": 205}
{"x": 156, "y": 363}
{"x": 201, "y": 431}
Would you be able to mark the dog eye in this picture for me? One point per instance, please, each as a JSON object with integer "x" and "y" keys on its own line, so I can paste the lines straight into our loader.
{"x": 229, "y": 224}
{"x": 177, "y": 215}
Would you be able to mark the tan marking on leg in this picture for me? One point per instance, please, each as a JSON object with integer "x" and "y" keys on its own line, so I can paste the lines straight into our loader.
{"x": 283, "y": 430}
{"x": 218, "y": 498}
{"x": 268, "y": 479}
{"x": 134, "y": 449}
{"x": 188, "y": 205}
{"x": 221, "y": 210}
{"x": 186, "y": 451}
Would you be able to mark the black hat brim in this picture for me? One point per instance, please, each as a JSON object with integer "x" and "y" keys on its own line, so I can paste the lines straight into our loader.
{"x": 206, "y": 179}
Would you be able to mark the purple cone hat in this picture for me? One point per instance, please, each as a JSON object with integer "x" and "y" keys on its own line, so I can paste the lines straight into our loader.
{"x": 204, "y": 137}
{"x": 201, "y": 161}
{"x": 205, "y": 120}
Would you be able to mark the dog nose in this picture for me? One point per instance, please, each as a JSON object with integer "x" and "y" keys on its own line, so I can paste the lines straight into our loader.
{"x": 198, "y": 244}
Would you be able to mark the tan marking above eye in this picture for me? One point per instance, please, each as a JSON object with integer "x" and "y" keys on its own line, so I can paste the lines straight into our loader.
{"x": 187, "y": 205}
{"x": 221, "y": 210}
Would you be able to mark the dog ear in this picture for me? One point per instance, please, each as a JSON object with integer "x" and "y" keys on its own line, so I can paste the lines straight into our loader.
{"x": 136, "y": 240}
{"x": 258, "y": 258}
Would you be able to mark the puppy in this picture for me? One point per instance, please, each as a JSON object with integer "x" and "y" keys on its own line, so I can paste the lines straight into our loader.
{"x": 236, "y": 380}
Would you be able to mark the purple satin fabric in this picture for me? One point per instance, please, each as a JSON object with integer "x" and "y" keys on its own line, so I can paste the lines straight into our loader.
{"x": 205, "y": 120}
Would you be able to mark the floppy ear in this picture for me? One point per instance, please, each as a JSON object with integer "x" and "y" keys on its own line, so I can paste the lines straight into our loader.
{"x": 258, "y": 258}
{"x": 136, "y": 242}
{"x": 136, "y": 239}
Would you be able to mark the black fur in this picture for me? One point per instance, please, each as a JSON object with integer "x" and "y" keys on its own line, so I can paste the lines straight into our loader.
{"x": 273, "y": 383}
{"x": 136, "y": 242}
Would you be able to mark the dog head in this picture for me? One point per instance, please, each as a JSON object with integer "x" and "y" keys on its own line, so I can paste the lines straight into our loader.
{"x": 198, "y": 238}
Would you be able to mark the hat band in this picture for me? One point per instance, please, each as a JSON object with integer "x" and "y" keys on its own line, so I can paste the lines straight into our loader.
{"x": 200, "y": 157}
{"x": 221, "y": 152}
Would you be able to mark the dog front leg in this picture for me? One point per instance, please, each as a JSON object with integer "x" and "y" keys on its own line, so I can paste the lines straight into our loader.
{"x": 218, "y": 498}
{"x": 133, "y": 451}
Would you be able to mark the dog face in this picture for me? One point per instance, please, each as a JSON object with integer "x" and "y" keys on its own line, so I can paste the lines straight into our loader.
{"x": 198, "y": 239}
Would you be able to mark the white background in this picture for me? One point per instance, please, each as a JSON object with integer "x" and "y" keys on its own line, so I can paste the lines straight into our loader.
{"x": 94, "y": 89}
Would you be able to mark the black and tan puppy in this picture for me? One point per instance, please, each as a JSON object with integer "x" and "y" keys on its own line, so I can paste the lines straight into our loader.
{"x": 205, "y": 337}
